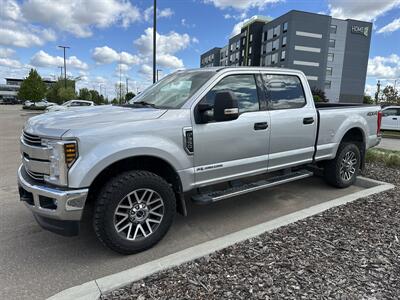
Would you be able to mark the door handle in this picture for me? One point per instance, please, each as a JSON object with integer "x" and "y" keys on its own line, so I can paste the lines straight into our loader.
{"x": 309, "y": 120}
{"x": 261, "y": 126}
{"x": 394, "y": 118}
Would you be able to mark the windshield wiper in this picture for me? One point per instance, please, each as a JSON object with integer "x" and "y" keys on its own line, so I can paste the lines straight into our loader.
{"x": 144, "y": 103}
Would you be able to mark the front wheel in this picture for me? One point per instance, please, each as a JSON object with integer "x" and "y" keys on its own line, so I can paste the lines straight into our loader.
{"x": 342, "y": 171}
{"x": 134, "y": 211}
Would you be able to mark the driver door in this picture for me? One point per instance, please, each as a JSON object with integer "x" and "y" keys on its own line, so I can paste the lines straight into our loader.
{"x": 227, "y": 150}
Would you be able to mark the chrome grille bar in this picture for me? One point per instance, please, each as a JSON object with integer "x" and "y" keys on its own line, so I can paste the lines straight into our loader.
{"x": 31, "y": 139}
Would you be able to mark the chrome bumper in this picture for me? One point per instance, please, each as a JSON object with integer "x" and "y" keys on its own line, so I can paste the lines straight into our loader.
{"x": 51, "y": 202}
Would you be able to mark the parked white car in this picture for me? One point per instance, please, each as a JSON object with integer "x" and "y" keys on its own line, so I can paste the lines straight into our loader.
{"x": 70, "y": 104}
{"x": 391, "y": 118}
{"x": 41, "y": 103}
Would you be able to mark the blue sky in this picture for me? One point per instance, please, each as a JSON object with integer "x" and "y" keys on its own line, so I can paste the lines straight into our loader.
{"x": 108, "y": 35}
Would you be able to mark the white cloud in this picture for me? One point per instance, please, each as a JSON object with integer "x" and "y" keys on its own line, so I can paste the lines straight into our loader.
{"x": 6, "y": 52}
{"x": 169, "y": 43}
{"x": 23, "y": 35}
{"x": 146, "y": 70}
{"x": 45, "y": 60}
{"x": 161, "y": 13}
{"x": 107, "y": 55}
{"x": 79, "y": 17}
{"x": 392, "y": 26}
{"x": 11, "y": 63}
{"x": 370, "y": 90}
{"x": 241, "y": 4}
{"x": 384, "y": 67}
{"x": 167, "y": 46}
{"x": 366, "y": 10}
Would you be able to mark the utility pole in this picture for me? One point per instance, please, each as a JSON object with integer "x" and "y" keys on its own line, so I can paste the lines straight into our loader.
{"x": 65, "y": 66}
{"x": 127, "y": 79}
{"x": 378, "y": 90}
{"x": 154, "y": 39}
{"x": 120, "y": 81}
{"x": 61, "y": 74}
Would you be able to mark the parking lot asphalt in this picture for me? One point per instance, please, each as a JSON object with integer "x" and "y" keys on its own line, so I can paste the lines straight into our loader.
{"x": 36, "y": 264}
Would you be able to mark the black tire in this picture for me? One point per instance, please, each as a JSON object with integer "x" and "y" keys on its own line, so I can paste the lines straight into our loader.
{"x": 110, "y": 197}
{"x": 332, "y": 169}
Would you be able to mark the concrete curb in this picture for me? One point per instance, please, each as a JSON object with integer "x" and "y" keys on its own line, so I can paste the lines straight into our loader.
{"x": 95, "y": 288}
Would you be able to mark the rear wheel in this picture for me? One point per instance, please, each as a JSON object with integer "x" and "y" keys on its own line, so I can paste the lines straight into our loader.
{"x": 342, "y": 171}
{"x": 134, "y": 211}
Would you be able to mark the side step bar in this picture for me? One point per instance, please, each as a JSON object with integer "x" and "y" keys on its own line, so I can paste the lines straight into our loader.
{"x": 215, "y": 196}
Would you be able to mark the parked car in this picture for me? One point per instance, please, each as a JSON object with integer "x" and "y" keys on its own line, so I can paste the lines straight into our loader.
{"x": 9, "y": 101}
{"x": 71, "y": 104}
{"x": 28, "y": 103}
{"x": 41, "y": 103}
{"x": 193, "y": 134}
{"x": 391, "y": 118}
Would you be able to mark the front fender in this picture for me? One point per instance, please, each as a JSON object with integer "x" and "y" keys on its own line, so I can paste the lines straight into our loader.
{"x": 93, "y": 159}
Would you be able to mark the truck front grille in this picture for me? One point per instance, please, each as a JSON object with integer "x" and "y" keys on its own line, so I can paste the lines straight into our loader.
{"x": 35, "y": 175}
{"x": 31, "y": 139}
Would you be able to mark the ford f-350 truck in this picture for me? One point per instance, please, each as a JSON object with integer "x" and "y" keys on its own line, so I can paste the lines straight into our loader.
{"x": 204, "y": 134}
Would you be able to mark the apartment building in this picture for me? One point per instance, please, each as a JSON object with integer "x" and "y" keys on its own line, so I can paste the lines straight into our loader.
{"x": 333, "y": 53}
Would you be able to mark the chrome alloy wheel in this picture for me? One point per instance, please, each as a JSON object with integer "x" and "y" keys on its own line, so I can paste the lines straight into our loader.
{"x": 348, "y": 165}
{"x": 139, "y": 214}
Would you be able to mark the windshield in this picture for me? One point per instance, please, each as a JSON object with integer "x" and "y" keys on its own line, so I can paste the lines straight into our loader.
{"x": 174, "y": 90}
{"x": 67, "y": 103}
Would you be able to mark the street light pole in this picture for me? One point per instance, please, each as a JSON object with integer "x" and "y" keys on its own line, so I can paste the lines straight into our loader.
{"x": 65, "y": 66}
{"x": 61, "y": 73}
{"x": 154, "y": 39}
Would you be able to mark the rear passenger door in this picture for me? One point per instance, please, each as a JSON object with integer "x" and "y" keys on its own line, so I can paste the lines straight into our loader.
{"x": 293, "y": 122}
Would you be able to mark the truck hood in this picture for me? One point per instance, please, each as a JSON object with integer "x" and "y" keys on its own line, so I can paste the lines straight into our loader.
{"x": 55, "y": 124}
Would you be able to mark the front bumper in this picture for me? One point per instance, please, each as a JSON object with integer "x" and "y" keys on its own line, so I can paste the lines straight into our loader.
{"x": 56, "y": 209}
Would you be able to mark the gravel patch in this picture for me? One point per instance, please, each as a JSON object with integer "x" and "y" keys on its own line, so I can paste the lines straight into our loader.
{"x": 351, "y": 251}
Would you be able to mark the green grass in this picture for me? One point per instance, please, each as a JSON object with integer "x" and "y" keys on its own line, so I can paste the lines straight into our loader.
{"x": 390, "y": 158}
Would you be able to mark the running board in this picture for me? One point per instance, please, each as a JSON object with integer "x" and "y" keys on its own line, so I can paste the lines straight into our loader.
{"x": 215, "y": 196}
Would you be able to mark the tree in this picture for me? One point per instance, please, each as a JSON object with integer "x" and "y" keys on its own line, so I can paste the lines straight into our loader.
{"x": 368, "y": 100}
{"x": 390, "y": 95}
{"x": 114, "y": 101}
{"x": 53, "y": 94}
{"x": 32, "y": 88}
{"x": 129, "y": 96}
{"x": 66, "y": 94}
{"x": 84, "y": 94}
{"x": 319, "y": 95}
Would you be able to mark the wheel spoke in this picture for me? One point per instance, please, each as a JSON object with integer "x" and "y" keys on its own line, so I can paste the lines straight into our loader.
{"x": 121, "y": 214}
{"x": 123, "y": 206}
{"x": 149, "y": 227}
{"x": 130, "y": 201}
{"x": 148, "y": 197}
{"x": 129, "y": 231}
{"x": 155, "y": 208}
{"x": 153, "y": 221}
{"x": 156, "y": 214}
{"x": 124, "y": 227}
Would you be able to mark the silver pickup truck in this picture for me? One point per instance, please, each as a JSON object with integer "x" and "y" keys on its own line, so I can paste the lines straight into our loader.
{"x": 205, "y": 135}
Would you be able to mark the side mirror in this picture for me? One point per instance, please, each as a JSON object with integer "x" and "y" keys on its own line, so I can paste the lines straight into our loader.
{"x": 226, "y": 106}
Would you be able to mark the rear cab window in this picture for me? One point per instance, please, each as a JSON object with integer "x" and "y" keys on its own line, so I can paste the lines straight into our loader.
{"x": 284, "y": 91}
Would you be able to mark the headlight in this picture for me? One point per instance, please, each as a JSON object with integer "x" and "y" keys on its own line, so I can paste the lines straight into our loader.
{"x": 62, "y": 156}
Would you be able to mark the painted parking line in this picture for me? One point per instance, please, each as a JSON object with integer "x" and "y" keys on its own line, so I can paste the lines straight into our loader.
{"x": 93, "y": 289}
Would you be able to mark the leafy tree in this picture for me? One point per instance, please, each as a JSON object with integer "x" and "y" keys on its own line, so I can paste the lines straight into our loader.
{"x": 66, "y": 94}
{"x": 319, "y": 95}
{"x": 368, "y": 100}
{"x": 391, "y": 95}
{"x": 53, "y": 94}
{"x": 129, "y": 96}
{"x": 84, "y": 94}
{"x": 114, "y": 101}
{"x": 32, "y": 88}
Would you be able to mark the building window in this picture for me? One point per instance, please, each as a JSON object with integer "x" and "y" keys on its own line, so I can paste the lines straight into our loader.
{"x": 237, "y": 55}
{"x": 242, "y": 52}
{"x": 269, "y": 47}
{"x": 333, "y": 29}
{"x": 250, "y": 50}
{"x": 232, "y": 45}
{"x": 283, "y": 55}
{"x": 268, "y": 60}
{"x": 285, "y": 27}
{"x": 330, "y": 56}
{"x": 328, "y": 84}
{"x": 329, "y": 71}
{"x": 249, "y": 62}
{"x": 243, "y": 41}
{"x": 332, "y": 43}
{"x": 237, "y": 44}
{"x": 277, "y": 30}
{"x": 275, "y": 45}
{"x": 251, "y": 37}
{"x": 284, "y": 41}
{"x": 270, "y": 34}
{"x": 274, "y": 58}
